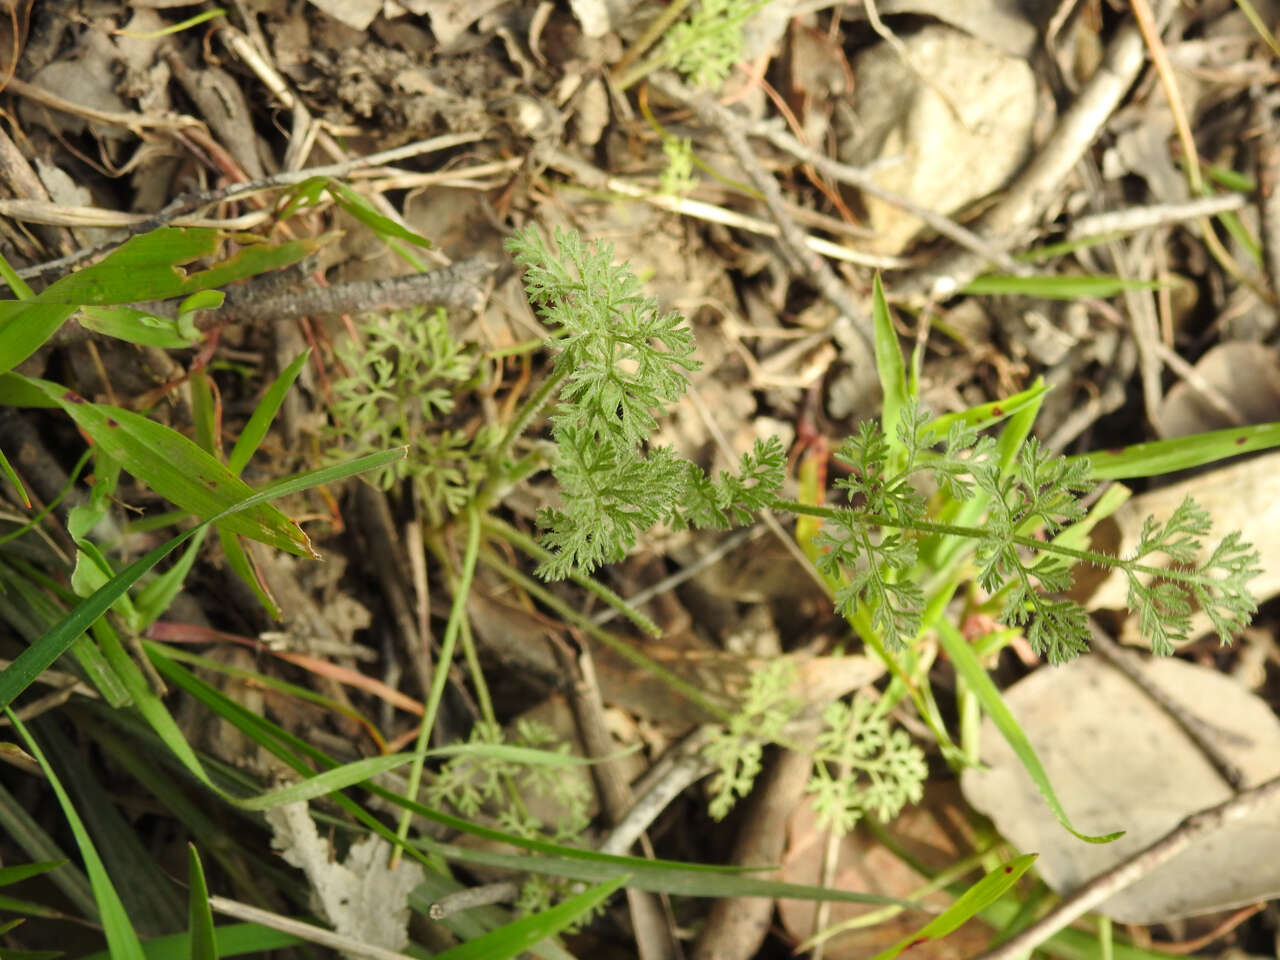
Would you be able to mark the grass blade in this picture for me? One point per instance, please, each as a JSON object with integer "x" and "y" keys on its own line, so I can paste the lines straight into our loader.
{"x": 122, "y": 941}
{"x": 1058, "y": 287}
{"x": 515, "y": 938}
{"x": 1181, "y": 453}
{"x": 968, "y": 667}
{"x": 203, "y": 944}
{"x": 978, "y": 897}
{"x": 889, "y": 365}
{"x": 263, "y": 414}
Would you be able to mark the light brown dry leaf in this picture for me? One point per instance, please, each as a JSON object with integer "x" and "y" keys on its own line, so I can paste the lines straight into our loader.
{"x": 1119, "y": 762}
{"x": 1001, "y": 23}
{"x": 1247, "y": 375}
{"x": 356, "y": 14}
{"x": 936, "y": 832}
{"x": 943, "y": 155}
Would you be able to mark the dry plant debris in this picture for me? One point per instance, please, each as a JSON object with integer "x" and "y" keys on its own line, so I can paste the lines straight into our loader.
{"x": 1079, "y": 194}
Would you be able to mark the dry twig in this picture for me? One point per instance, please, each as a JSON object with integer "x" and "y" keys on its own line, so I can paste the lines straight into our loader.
{"x": 1123, "y": 875}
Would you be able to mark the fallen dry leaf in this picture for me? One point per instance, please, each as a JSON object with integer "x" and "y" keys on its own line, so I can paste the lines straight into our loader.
{"x": 1119, "y": 762}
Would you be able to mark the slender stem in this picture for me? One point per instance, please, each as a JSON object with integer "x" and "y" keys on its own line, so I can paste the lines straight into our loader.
{"x": 526, "y": 413}
{"x": 614, "y": 643}
{"x": 982, "y": 533}
{"x": 486, "y": 497}
{"x": 499, "y": 528}
{"x": 457, "y": 611}
{"x": 624, "y": 75}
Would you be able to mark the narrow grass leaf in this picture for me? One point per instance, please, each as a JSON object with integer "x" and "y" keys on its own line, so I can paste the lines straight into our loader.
{"x": 30, "y": 908}
{"x": 967, "y": 666}
{"x": 263, "y": 414}
{"x": 889, "y": 365}
{"x": 34, "y": 660}
{"x": 155, "y": 598}
{"x": 982, "y": 894}
{"x": 24, "y": 871}
{"x": 135, "y": 326}
{"x": 233, "y": 940}
{"x": 172, "y": 28}
{"x": 986, "y": 415}
{"x": 1181, "y": 453}
{"x": 203, "y": 944}
{"x": 243, "y": 567}
{"x": 323, "y": 784}
{"x": 21, "y": 289}
{"x": 525, "y": 933}
{"x": 12, "y": 476}
{"x": 122, "y": 940}
{"x": 1057, "y": 287}
{"x": 364, "y": 211}
{"x": 657, "y": 876}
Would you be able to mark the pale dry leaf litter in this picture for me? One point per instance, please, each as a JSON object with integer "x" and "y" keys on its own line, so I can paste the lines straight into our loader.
{"x": 1119, "y": 762}
{"x": 1236, "y": 383}
{"x": 361, "y": 897}
{"x": 947, "y": 119}
{"x": 964, "y": 113}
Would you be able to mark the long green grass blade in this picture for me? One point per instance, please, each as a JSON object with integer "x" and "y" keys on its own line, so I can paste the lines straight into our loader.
{"x": 515, "y": 938}
{"x": 24, "y": 871}
{"x": 889, "y": 365}
{"x": 981, "y": 895}
{"x": 122, "y": 940}
{"x": 263, "y": 414}
{"x": 968, "y": 667}
{"x": 39, "y": 656}
{"x": 1057, "y": 287}
{"x": 1181, "y": 453}
{"x": 204, "y": 945}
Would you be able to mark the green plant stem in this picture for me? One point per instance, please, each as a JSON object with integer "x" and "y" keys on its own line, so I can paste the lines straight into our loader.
{"x": 469, "y": 652}
{"x": 457, "y": 611}
{"x": 980, "y": 533}
{"x": 624, "y": 74}
{"x": 537, "y": 551}
{"x": 616, "y": 644}
{"x": 524, "y": 416}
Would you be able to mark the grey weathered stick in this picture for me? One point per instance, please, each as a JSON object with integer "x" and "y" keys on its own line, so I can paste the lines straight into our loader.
{"x": 1202, "y": 734}
{"x": 194, "y": 201}
{"x": 458, "y": 286}
{"x": 732, "y": 128}
{"x": 1133, "y": 219}
{"x": 1103, "y": 886}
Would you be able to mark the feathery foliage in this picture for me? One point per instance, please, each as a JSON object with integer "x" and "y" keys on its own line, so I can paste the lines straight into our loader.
{"x": 403, "y": 376}
{"x": 619, "y": 359}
